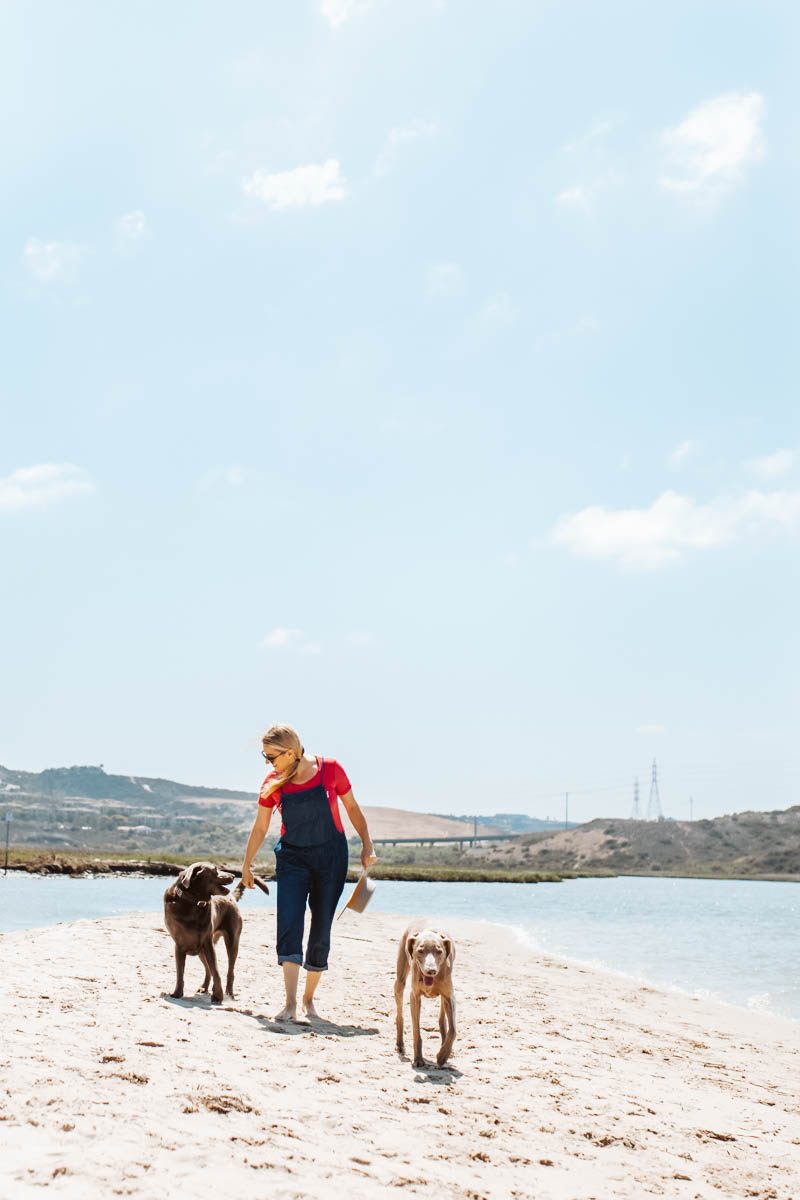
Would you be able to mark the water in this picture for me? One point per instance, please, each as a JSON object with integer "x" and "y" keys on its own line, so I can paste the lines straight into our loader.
{"x": 731, "y": 940}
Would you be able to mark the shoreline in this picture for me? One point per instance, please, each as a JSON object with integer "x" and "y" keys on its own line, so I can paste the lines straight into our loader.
{"x": 564, "y": 1081}
{"x": 42, "y": 862}
{"x": 733, "y": 981}
{"x": 80, "y": 867}
{"x": 508, "y": 930}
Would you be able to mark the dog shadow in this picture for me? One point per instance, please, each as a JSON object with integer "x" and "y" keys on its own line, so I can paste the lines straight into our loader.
{"x": 431, "y": 1073}
{"x": 199, "y": 1000}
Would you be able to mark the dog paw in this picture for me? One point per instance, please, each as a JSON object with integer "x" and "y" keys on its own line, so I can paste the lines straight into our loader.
{"x": 177, "y": 994}
{"x": 441, "y": 1059}
{"x": 419, "y": 1063}
{"x": 216, "y": 999}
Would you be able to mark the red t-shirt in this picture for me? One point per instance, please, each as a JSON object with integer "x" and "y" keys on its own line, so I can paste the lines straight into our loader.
{"x": 336, "y": 784}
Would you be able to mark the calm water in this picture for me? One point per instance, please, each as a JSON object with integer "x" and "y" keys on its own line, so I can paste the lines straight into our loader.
{"x": 734, "y": 941}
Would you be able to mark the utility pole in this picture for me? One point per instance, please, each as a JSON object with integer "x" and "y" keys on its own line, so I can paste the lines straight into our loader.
{"x": 566, "y": 810}
{"x": 8, "y": 826}
{"x": 654, "y": 801}
{"x": 636, "y": 814}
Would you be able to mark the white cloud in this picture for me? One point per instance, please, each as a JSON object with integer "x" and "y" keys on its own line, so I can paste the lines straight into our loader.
{"x": 713, "y": 147}
{"x": 336, "y": 12}
{"x": 444, "y": 279}
{"x": 591, "y": 140}
{"x": 557, "y": 338}
{"x": 45, "y": 483}
{"x": 659, "y": 535}
{"x": 280, "y": 638}
{"x": 48, "y": 261}
{"x": 679, "y": 455}
{"x": 318, "y": 183}
{"x": 231, "y": 476}
{"x": 133, "y": 225}
{"x": 289, "y": 639}
{"x": 770, "y": 466}
{"x": 497, "y": 313}
{"x": 575, "y": 198}
{"x": 361, "y": 639}
{"x": 581, "y": 197}
{"x": 650, "y": 729}
{"x": 401, "y": 136}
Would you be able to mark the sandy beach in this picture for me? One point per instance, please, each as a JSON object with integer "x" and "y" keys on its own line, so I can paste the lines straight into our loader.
{"x": 564, "y": 1082}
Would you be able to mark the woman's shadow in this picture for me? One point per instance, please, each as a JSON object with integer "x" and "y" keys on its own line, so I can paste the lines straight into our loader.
{"x": 317, "y": 1025}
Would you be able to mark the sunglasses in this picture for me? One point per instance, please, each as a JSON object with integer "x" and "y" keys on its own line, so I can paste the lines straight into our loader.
{"x": 273, "y": 758}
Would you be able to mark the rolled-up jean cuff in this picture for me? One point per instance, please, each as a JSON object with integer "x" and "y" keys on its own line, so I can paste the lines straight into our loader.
{"x": 295, "y": 958}
{"x": 307, "y": 966}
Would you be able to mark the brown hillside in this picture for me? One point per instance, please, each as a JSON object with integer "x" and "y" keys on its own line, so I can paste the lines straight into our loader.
{"x": 382, "y": 822}
{"x": 750, "y": 843}
{"x": 397, "y": 822}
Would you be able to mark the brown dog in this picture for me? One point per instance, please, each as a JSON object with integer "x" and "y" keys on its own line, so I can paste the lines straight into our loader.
{"x": 430, "y": 957}
{"x": 197, "y": 912}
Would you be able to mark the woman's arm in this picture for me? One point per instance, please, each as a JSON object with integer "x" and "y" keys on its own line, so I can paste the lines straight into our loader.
{"x": 359, "y": 821}
{"x": 257, "y": 835}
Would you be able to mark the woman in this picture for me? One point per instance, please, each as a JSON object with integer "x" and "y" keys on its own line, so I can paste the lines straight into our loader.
{"x": 310, "y": 857}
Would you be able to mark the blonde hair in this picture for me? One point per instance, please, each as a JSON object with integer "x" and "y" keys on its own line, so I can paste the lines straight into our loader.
{"x": 283, "y": 737}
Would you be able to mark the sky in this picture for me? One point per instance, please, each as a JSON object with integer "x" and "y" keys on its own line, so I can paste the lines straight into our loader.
{"x": 421, "y": 374}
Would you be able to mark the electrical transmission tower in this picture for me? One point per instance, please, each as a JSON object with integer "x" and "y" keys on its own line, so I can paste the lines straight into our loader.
{"x": 636, "y": 814}
{"x": 654, "y": 812}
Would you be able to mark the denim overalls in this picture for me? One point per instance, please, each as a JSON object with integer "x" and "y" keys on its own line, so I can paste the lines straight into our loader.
{"x": 310, "y": 865}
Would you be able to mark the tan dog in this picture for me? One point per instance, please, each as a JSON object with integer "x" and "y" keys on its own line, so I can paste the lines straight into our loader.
{"x": 430, "y": 957}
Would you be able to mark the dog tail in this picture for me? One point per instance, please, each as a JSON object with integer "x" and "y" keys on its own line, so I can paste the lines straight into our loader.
{"x": 240, "y": 889}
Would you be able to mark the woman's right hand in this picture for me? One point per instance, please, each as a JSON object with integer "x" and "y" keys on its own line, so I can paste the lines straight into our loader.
{"x": 247, "y": 876}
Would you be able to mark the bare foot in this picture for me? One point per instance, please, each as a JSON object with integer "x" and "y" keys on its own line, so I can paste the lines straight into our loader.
{"x": 288, "y": 1013}
{"x": 309, "y": 1010}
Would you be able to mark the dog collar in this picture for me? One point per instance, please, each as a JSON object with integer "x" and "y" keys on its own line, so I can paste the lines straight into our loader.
{"x": 182, "y": 892}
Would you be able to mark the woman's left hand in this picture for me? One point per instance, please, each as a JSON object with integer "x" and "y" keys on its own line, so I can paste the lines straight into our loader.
{"x": 368, "y": 856}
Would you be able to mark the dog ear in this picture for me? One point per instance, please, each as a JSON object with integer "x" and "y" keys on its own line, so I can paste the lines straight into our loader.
{"x": 186, "y": 877}
{"x": 410, "y": 944}
{"x": 448, "y": 945}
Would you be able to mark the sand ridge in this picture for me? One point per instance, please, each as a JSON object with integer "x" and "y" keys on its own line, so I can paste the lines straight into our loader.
{"x": 564, "y": 1081}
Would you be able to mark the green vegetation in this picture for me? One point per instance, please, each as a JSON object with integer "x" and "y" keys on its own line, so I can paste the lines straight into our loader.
{"x": 444, "y": 874}
{"x": 47, "y": 862}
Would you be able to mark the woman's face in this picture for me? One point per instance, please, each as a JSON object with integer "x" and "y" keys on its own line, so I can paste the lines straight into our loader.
{"x": 277, "y": 758}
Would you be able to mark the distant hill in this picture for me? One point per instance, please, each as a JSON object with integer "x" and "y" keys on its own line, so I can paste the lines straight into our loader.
{"x": 147, "y": 803}
{"x": 513, "y": 823}
{"x": 748, "y": 843}
{"x": 93, "y": 783}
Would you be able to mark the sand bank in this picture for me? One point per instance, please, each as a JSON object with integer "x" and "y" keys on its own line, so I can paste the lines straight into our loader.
{"x": 564, "y": 1082}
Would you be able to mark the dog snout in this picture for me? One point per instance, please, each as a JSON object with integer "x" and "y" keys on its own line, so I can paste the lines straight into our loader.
{"x": 429, "y": 965}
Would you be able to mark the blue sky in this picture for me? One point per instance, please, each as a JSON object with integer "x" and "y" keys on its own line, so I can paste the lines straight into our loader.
{"x": 421, "y": 374}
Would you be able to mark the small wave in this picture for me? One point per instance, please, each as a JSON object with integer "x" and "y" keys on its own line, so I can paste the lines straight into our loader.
{"x": 761, "y": 1002}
